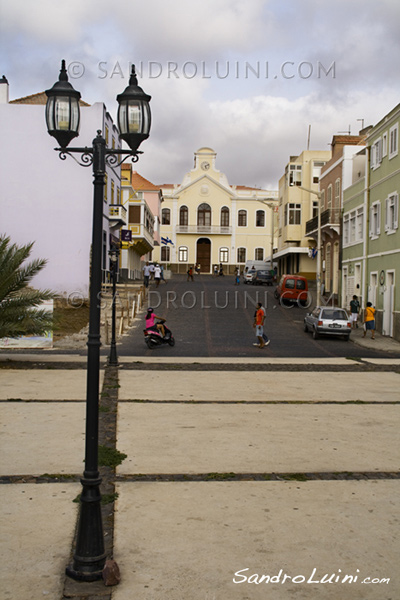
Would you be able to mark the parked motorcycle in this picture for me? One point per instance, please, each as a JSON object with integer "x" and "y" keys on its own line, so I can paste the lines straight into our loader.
{"x": 154, "y": 337}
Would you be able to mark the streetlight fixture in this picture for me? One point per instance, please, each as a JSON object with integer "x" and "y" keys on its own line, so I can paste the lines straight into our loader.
{"x": 114, "y": 255}
{"x": 134, "y": 121}
{"x": 318, "y": 194}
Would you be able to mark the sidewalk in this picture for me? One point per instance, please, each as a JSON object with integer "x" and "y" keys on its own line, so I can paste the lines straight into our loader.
{"x": 226, "y": 472}
{"x": 381, "y": 342}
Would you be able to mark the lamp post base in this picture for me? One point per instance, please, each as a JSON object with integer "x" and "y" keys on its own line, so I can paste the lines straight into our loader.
{"x": 113, "y": 358}
{"x": 90, "y": 575}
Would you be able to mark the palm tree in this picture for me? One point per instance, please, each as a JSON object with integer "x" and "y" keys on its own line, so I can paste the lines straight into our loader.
{"x": 19, "y": 314}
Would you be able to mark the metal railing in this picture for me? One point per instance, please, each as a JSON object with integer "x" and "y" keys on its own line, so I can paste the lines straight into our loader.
{"x": 331, "y": 216}
{"x": 204, "y": 229}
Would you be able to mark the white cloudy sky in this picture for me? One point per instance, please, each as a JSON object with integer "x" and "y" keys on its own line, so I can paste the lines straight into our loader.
{"x": 324, "y": 64}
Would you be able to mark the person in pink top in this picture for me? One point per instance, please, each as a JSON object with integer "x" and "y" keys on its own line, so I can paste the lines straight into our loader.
{"x": 150, "y": 322}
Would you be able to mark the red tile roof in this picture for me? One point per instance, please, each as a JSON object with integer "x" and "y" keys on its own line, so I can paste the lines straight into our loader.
{"x": 140, "y": 183}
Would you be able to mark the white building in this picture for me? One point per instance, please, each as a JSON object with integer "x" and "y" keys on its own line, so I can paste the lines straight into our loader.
{"x": 50, "y": 201}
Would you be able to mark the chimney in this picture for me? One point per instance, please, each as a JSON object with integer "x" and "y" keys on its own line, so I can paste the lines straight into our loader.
{"x": 4, "y": 87}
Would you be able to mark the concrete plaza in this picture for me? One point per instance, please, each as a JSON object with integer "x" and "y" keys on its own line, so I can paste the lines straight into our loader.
{"x": 230, "y": 476}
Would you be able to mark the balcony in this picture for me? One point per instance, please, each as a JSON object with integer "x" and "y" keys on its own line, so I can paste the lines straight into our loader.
{"x": 330, "y": 219}
{"x": 142, "y": 239}
{"x": 117, "y": 215}
{"x": 204, "y": 229}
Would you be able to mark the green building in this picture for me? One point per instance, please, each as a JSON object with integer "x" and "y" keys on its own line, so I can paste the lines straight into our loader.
{"x": 371, "y": 236}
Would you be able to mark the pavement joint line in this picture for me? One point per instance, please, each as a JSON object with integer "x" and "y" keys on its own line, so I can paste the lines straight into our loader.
{"x": 208, "y": 477}
{"x": 354, "y": 365}
{"x": 42, "y": 400}
{"x": 286, "y": 476}
{"x": 227, "y": 402}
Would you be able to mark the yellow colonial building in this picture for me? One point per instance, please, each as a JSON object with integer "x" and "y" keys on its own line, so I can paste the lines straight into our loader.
{"x": 298, "y": 203}
{"x": 206, "y": 221}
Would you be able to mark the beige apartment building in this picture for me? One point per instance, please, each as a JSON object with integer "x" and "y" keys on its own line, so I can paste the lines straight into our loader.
{"x": 207, "y": 221}
{"x": 336, "y": 175}
{"x": 296, "y": 251}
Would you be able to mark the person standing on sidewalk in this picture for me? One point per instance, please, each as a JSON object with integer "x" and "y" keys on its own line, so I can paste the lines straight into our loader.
{"x": 354, "y": 310}
{"x": 369, "y": 320}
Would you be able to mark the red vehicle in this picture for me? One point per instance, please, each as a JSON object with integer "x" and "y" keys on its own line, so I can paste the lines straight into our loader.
{"x": 293, "y": 288}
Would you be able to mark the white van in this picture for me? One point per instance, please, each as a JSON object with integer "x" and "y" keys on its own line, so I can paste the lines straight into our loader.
{"x": 257, "y": 265}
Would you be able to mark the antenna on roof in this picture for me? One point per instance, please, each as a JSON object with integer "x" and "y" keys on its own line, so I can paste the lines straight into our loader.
{"x": 309, "y": 135}
{"x": 348, "y": 132}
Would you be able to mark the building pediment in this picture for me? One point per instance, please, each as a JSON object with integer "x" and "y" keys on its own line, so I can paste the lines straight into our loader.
{"x": 204, "y": 179}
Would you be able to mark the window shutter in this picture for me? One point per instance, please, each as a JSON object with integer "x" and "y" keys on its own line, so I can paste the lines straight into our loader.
{"x": 387, "y": 208}
{"x": 378, "y": 218}
{"x": 396, "y": 211}
{"x": 371, "y": 217}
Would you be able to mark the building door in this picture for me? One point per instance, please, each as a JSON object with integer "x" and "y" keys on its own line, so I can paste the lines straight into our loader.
{"x": 388, "y": 304}
{"x": 203, "y": 254}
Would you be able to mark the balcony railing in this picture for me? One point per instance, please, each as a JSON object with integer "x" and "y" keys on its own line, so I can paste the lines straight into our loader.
{"x": 204, "y": 229}
{"x": 139, "y": 231}
{"x": 118, "y": 214}
{"x": 329, "y": 218}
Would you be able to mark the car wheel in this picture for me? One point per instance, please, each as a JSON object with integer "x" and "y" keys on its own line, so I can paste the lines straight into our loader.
{"x": 276, "y": 295}
{"x": 346, "y": 338}
{"x": 305, "y": 327}
{"x": 315, "y": 334}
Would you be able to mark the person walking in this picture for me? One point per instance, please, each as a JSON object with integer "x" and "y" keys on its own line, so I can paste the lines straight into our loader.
{"x": 259, "y": 326}
{"x": 146, "y": 274}
{"x": 162, "y": 274}
{"x": 190, "y": 274}
{"x": 264, "y": 335}
{"x": 157, "y": 274}
{"x": 369, "y": 320}
{"x": 215, "y": 272}
{"x": 237, "y": 276}
{"x": 354, "y": 310}
{"x": 152, "y": 268}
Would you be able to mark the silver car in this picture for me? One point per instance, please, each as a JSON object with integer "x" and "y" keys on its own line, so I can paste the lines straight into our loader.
{"x": 328, "y": 321}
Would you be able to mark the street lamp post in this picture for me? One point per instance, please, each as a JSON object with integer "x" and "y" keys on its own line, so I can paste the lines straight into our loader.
{"x": 62, "y": 119}
{"x": 113, "y": 254}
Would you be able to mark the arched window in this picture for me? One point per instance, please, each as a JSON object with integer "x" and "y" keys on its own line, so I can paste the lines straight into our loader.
{"x": 241, "y": 255}
{"x": 204, "y": 215}
{"x": 242, "y": 218}
{"x": 183, "y": 254}
{"x": 260, "y": 218}
{"x": 224, "y": 216}
{"x": 183, "y": 216}
{"x": 223, "y": 255}
{"x": 165, "y": 216}
{"x": 165, "y": 254}
{"x": 259, "y": 254}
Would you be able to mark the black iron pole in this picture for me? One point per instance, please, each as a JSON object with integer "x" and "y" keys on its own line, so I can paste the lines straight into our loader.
{"x": 113, "y": 358}
{"x": 89, "y": 556}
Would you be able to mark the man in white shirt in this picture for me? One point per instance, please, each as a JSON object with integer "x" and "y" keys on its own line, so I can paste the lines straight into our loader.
{"x": 146, "y": 274}
{"x": 157, "y": 274}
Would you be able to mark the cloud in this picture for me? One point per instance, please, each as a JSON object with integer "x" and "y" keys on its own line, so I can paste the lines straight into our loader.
{"x": 253, "y": 123}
